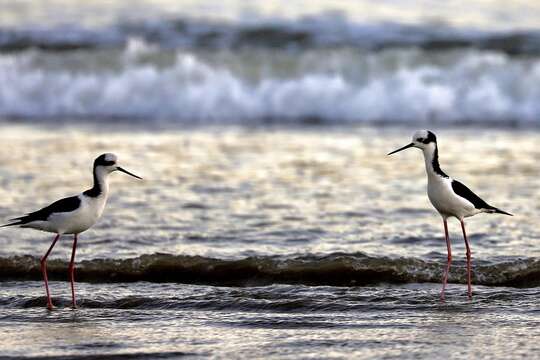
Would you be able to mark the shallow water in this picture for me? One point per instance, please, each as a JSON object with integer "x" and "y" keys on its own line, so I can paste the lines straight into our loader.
{"x": 261, "y": 225}
{"x": 170, "y": 321}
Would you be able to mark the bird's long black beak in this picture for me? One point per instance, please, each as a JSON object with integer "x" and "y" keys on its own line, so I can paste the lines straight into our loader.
{"x": 127, "y": 172}
{"x": 403, "y": 148}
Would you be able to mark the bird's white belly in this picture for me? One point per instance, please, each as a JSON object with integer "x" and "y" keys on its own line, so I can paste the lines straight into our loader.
{"x": 80, "y": 220}
{"x": 447, "y": 203}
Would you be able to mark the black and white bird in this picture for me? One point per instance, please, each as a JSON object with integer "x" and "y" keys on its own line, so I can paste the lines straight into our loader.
{"x": 73, "y": 215}
{"x": 450, "y": 197}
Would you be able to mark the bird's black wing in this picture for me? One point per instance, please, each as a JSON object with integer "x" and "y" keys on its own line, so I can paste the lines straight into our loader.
{"x": 63, "y": 205}
{"x": 468, "y": 195}
{"x": 478, "y": 203}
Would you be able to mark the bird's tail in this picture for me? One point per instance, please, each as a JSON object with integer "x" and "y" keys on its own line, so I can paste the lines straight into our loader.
{"x": 14, "y": 222}
{"x": 11, "y": 224}
{"x": 494, "y": 210}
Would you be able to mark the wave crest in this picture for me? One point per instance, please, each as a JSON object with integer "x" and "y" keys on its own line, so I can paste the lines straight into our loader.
{"x": 335, "y": 269}
{"x": 476, "y": 87}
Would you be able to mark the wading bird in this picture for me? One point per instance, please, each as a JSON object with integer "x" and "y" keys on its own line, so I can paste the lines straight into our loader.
{"x": 449, "y": 197}
{"x": 72, "y": 215}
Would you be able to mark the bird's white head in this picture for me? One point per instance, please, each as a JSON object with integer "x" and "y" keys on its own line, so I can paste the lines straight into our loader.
{"x": 108, "y": 163}
{"x": 421, "y": 139}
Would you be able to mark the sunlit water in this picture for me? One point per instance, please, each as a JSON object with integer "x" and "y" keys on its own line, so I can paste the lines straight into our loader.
{"x": 273, "y": 194}
{"x": 230, "y": 192}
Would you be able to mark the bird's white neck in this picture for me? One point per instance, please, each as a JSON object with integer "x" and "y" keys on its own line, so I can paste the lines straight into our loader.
{"x": 101, "y": 183}
{"x": 431, "y": 158}
{"x": 102, "y": 177}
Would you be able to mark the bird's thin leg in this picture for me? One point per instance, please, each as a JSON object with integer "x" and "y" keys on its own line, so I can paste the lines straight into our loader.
{"x": 469, "y": 288}
{"x": 72, "y": 272}
{"x": 44, "y": 271}
{"x": 449, "y": 250}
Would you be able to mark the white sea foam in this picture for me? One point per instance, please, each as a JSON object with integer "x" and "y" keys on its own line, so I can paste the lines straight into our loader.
{"x": 394, "y": 86}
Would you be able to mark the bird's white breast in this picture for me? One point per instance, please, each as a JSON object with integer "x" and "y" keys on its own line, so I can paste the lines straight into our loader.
{"x": 443, "y": 198}
{"x": 81, "y": 219}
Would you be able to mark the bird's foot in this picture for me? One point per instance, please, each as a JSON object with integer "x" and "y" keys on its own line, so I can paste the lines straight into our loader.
{"x": 50, "y": 307}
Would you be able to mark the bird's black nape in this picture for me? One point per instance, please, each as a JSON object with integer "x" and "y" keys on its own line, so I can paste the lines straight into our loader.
{"x": 101, "y": 160}
{"x": 435, "y": 163}
{"x": 430, "y": 138}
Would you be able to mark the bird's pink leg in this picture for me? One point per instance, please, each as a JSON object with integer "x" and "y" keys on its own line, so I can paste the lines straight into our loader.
{"x": 72, "y": 272}
{"x": 469, "y": 288}
{"x": 44, "y": 272}
{"x": 449, "y": 250}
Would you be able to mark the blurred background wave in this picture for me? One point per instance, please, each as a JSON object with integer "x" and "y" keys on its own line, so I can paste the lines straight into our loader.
{"x": 201, "y": 62}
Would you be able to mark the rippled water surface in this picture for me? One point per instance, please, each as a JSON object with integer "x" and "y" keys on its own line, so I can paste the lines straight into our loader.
{"x": 229, "y": 192}
{"x": 255, "y": 217}
{"x": 276, "y": 321}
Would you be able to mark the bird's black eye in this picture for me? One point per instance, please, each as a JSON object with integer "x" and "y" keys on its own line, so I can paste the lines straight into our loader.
{"x": 420, "y": 140}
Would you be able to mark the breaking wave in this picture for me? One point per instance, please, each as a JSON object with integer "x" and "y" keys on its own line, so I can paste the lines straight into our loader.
{"x": 335, "y": 269}
{"x": 140, "y": 83}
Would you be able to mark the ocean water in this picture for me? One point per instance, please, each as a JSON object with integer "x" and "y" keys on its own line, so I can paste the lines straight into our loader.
{"x": 278, "y": 242}
{"x": 270, "y": 222}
